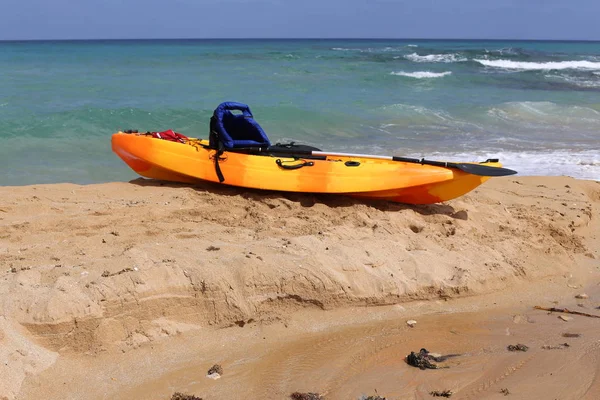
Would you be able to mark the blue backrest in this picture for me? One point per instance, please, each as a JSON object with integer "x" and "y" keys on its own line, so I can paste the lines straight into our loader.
{"x": 234, "y": 130}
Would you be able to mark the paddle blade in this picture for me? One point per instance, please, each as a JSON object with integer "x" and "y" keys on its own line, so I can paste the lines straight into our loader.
{"x": 482, "y": 170}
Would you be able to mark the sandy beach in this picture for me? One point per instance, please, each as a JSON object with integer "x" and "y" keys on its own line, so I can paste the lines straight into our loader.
{"x": 134, "y": 290}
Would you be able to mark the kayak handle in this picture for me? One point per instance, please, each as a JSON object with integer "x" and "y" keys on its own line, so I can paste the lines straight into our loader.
{"x": 304, "y": 163}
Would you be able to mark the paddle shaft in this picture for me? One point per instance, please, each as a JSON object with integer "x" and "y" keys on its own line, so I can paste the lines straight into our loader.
{"x": 471, "y": 168}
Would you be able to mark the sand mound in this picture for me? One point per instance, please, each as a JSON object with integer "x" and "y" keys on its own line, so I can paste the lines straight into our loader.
{"x": 113, "y": 266}
{"x": 90, "y": 265}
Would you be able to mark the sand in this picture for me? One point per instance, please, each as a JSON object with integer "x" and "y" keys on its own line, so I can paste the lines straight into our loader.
{"x": 134, "y": 290}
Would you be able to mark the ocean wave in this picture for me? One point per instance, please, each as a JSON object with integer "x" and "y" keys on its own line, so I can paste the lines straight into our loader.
{"x": 346, "y": 49}
{"x": 583, "y": 82}
{"x": 540, "y": 66}
{"x": 504, "y": 51}
{"x": 422, "y": 74}
{"x": 577, "y": 164}
{"x": 400, "y": 119}
{"x": 386, "y": 49}
{"x": 432, "y": 58}
{"x": 547, "y": 114}
{"x": 411, "y": 114}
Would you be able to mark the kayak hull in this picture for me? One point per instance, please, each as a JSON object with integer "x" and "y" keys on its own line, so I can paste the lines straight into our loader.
{"x": 363, "y": 177}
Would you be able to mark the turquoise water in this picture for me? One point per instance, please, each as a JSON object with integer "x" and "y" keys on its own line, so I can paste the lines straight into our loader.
{"x": 534, "y": 105}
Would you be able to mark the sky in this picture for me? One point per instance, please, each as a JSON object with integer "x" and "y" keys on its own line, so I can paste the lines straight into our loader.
{"x": 447, "y": 19}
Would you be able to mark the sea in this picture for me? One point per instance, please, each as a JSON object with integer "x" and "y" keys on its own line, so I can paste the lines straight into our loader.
{"x": 535, "y": 105}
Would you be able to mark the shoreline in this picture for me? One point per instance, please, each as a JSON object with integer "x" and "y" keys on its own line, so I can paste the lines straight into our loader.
{"x": 94, "y": 271}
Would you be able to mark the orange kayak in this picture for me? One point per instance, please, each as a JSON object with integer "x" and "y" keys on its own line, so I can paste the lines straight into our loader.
{"x": 193, "y": 161}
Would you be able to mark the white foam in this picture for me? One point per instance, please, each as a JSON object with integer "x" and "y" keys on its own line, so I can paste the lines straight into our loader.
{"x": 422, "y": 74}
{"x": 543, "y": 66}
{"x": 432, "y": 58}
{"x": 580, "y": 164}
{"x": 411, "y": 45}
{"x": 577, "y": 164}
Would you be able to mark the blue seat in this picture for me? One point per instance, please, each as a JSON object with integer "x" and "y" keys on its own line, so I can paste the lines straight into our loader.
{"x": 230, "y": 130}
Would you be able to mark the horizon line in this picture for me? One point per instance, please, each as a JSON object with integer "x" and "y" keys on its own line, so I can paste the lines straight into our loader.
{"x": 298, "y": 38}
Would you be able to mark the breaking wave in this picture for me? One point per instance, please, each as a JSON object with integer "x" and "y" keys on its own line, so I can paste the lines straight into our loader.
{"x": 540, "y": 66}
{"x": 432, "y": 58}
{"x": 345, "y": 49}
{"x": 422, "y": 74}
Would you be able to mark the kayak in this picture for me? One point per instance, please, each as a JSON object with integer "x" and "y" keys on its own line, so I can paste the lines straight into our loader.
{"x": 290, "y": 168}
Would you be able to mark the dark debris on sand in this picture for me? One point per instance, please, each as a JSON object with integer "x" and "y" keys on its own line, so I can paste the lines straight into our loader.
{"x": 306, "y": 396}
{"x": 423, "y": 359}
{"x": 373, "y": 398}
{"x": 420, "y": 360}
{"x": 443, "y": 393}
{"x": 107, "y": 273}
{"x": 517, "y": 347}
{"x": 571, "y": 335}
{"x": 215, "y": 368}
{"x": 181, "y": 396}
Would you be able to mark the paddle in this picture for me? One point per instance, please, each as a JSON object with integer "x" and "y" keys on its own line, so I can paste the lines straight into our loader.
{"x": 475, "y": 169}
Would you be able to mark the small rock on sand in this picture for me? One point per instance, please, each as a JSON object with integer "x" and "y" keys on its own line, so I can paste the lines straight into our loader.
{"x": 443, "y": 393}
{"x": 306, "y": 396}
{"x": 565, "y": 317}
{"x": 582, "y": 296}
{"x": 215, "y": 372}
{"x": 215, "y": 369}
{"x": 517, "y": 347}
{"x": 181, "y": 396}
{"x": 411, "y": 322}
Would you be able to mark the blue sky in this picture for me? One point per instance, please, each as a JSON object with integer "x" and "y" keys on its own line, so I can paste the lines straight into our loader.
{"x": 476, "y": 19}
